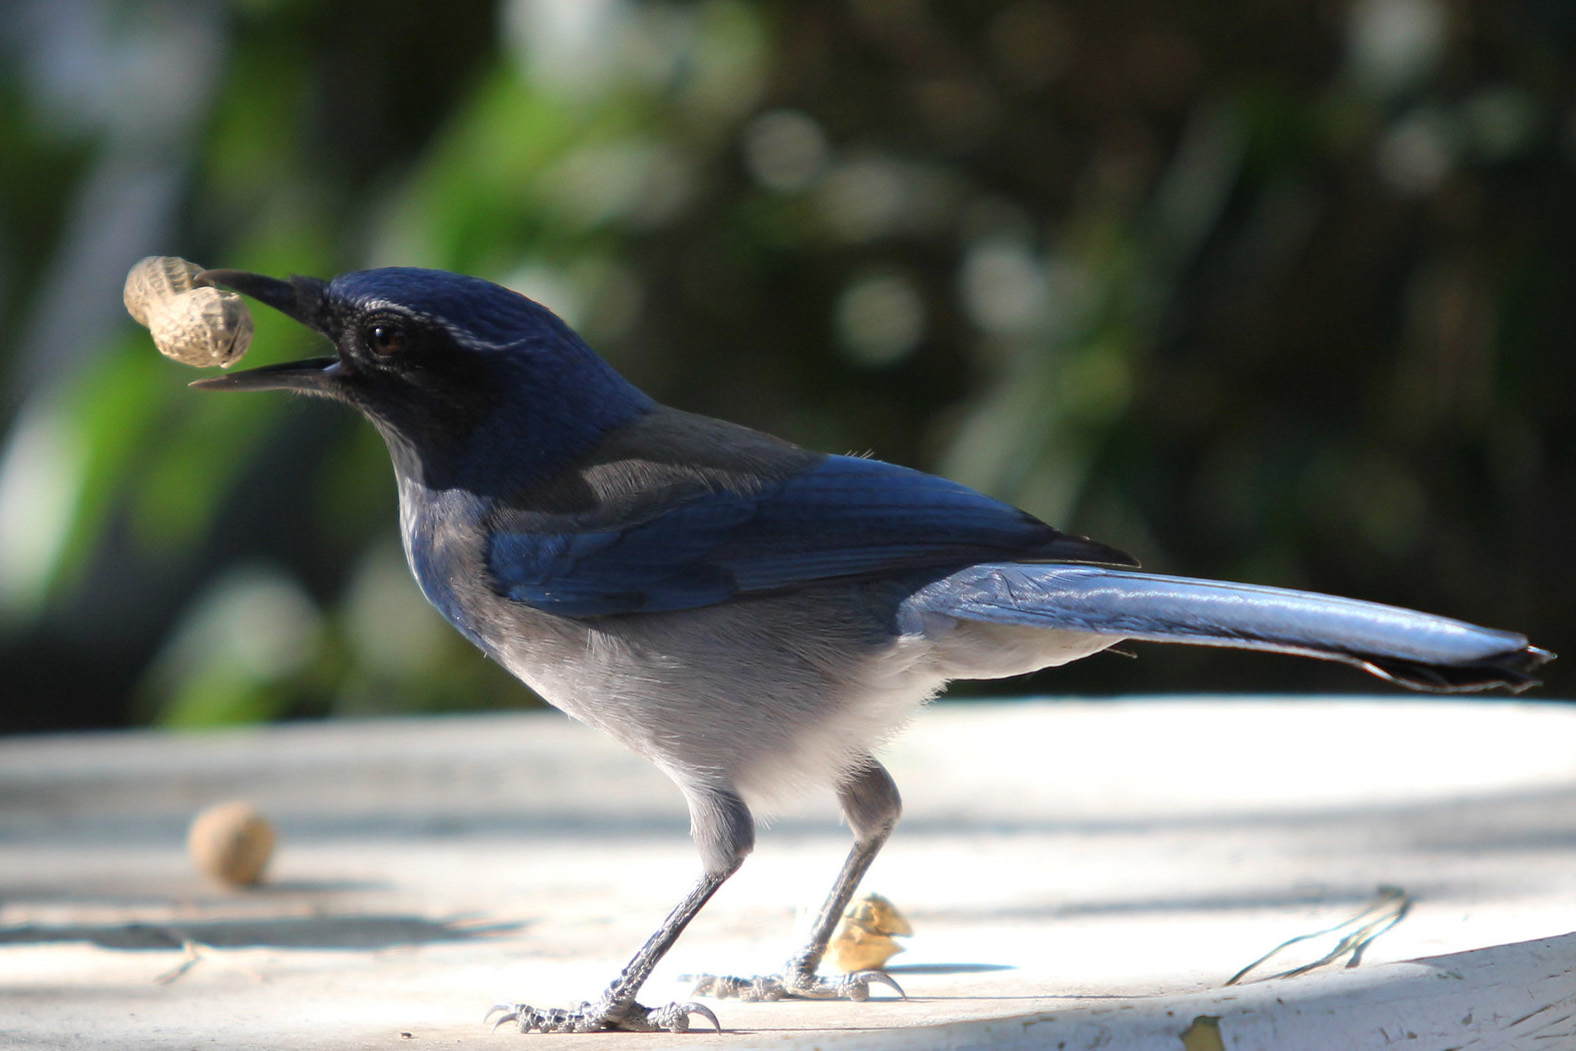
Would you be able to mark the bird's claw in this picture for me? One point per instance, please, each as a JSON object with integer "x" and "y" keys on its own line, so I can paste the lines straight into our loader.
{"x": 602, "y": 1016}
{"x": 674, "y": 1017}
{"x": 866, "y": 979}
{"x": 794, "y": 985}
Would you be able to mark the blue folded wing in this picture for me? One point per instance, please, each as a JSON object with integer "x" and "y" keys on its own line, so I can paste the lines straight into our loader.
{"x": 843, "y": 517}
{"x": 661, "y": 564}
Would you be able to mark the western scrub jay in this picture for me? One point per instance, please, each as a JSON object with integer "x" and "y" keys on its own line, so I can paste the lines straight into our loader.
{"x": 751, "y": 616}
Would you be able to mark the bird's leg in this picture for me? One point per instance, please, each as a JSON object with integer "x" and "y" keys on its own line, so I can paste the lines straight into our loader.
{"x": 725, "y": 833}
{"x": 871, "y": 804}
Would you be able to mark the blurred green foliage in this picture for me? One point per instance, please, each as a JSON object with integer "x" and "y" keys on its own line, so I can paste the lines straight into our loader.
{"x": 1267, "y": 291}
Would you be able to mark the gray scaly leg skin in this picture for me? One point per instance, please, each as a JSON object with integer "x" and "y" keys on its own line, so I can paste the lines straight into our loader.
{"x": 794, "y": 984}
{"x": 602, "y": 1016}
{"x": 871, "y": 805}
{"x": 725, "y": 832}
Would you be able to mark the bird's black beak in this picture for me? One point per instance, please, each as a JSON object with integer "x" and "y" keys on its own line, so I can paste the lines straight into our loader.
{"x": 300, "y": 298}
{"x": 312, "y": 376}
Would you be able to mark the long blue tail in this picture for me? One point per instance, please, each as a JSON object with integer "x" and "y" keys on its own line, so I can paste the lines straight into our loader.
{"x": 1417, "y": 650}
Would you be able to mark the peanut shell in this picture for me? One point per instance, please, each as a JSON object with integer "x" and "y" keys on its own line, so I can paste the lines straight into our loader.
{"x": 195, "y": 324}
{"x": 863, "y": 939}
{"x": 231, "y": 842}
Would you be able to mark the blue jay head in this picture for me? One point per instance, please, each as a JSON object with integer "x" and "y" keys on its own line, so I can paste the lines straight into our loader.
{"x": 439, "y": 361}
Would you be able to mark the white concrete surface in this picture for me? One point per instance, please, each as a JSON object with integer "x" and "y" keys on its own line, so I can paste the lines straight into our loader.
{"x": 1083, "y": 875}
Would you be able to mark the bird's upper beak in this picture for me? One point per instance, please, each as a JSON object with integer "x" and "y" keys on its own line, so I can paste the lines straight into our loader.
{"x": 299, "y": 298}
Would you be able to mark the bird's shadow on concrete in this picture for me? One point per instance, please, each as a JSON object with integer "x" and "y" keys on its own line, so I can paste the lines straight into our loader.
{"x": 364, "y": 931}
{"x": 948, "y": 968}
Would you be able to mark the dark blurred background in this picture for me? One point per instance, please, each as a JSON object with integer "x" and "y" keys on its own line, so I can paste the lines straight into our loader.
{"x": 1275, "y": 290}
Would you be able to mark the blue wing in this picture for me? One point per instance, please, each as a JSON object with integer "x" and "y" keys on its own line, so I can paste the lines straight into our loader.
{"x": 842, "y": 517}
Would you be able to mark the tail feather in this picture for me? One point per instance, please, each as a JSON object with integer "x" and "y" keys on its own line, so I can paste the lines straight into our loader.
{"x": 1417, "y": 650}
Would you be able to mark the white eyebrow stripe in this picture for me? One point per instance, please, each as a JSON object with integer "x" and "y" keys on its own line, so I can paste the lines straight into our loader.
{"x": 463, "y": 336}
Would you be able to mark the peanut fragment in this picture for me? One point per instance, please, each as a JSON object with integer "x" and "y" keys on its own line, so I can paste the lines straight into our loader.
{"x": 195, "y": 324}
{"x": 864, "y": 939}
{"x": 231, "y": 842}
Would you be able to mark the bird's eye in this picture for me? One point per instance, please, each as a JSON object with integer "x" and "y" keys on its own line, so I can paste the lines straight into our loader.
{"x": 386, "y": 339}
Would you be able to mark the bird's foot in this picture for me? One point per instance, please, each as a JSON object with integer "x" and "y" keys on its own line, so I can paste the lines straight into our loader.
{"x": 604, "y": 1015}
{"x": 794, "y": 984}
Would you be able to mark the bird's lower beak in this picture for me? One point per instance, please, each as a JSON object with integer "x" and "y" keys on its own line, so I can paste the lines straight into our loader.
{"x": 312, "y": 376}
{"x": 300, "y": 298}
